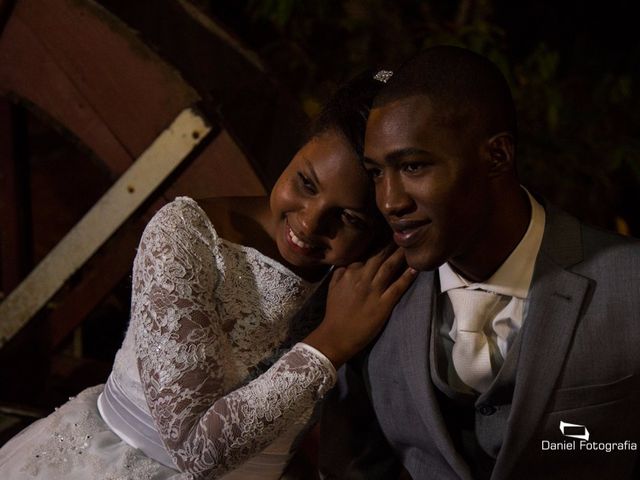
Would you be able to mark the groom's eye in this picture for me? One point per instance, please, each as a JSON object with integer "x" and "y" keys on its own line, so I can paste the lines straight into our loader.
{"x": 413, "y": 167}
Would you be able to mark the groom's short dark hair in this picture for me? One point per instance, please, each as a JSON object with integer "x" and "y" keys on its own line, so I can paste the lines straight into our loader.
{"x": 465, "y": 87}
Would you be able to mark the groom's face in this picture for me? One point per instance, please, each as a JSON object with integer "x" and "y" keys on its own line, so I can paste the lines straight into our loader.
{"x": 431, "y": 180}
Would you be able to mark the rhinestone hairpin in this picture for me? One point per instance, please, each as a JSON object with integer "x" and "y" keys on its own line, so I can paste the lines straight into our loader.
{"x": 383, "y": 75}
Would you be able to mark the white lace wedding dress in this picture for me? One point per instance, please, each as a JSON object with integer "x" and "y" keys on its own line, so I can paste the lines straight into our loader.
{"x": 202, "y": 382}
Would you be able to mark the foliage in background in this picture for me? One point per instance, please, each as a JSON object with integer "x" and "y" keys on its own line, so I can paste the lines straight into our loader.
{"x": 573, "y": 69}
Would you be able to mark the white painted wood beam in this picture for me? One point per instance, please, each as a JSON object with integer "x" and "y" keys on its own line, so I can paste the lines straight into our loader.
{"x": 166, "y": 152}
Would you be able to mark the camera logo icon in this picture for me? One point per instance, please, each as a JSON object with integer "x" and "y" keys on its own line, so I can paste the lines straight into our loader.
{"x": 574, "y": 431}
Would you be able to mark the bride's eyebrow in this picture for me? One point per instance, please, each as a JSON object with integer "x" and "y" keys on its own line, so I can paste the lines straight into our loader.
{"x": 360, "y": 213}
{"x": 361, "y": 210}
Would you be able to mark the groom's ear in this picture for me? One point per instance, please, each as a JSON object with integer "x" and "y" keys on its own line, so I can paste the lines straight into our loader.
{"x": 499, "y": 151}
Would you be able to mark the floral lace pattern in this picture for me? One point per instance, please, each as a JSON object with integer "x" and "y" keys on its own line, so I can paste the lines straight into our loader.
{"x": 205, "y": 313}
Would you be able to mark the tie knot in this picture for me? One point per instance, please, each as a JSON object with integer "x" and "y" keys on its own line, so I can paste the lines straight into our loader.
{"x": 472, "y": 308}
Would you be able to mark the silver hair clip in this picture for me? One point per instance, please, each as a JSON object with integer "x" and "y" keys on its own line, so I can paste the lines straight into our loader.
{"x": 383, "y": 75}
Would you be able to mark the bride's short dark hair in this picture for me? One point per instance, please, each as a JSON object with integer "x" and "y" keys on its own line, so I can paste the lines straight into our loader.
{"x": 347, "y": 110}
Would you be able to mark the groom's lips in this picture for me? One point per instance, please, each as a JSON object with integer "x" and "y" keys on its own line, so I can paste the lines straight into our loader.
{"x": 408, "y": 232}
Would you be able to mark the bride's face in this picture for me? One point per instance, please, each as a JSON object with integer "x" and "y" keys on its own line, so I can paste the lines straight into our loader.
{"x": 323, "y": 205}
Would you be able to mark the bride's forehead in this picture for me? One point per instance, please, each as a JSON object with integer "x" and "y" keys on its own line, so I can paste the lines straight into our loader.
{"x": 330, "y": 155}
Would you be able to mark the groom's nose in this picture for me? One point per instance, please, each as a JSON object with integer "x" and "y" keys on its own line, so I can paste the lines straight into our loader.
{"x": 391, "y": 196}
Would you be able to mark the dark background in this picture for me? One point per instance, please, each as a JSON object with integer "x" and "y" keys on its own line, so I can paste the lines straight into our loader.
{"x": 573, "y": 67}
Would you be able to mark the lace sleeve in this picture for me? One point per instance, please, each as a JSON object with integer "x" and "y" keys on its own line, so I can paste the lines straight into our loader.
{"x": 185, "y": 358}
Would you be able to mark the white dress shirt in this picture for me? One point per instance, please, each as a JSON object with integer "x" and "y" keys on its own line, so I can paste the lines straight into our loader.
{"x": 512, "y": 280}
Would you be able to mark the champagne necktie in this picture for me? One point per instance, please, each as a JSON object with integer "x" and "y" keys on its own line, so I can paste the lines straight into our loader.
{"x": 471, "y": 353}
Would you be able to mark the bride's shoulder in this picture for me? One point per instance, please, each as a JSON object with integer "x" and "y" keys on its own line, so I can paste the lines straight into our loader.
{"x": 180, "y": 220}
{"x": 179, "y": 210}
{"x": 239, "y": 220}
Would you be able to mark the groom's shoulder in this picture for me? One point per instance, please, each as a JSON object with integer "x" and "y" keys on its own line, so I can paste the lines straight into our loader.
{"x": 600, "y": 250}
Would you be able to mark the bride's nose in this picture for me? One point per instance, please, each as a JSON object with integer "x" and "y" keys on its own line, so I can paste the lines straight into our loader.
{"x": 309, "y": 220}
{"x": 313, "y": 219}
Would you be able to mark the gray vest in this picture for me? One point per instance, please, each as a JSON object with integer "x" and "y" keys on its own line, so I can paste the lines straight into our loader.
{"x": 476, "y": 423}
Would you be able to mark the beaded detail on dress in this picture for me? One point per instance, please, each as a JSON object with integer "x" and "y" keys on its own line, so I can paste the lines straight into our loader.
{"x": 72, "y": 439}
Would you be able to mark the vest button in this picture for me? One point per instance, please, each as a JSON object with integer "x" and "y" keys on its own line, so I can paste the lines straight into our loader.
{"x": 486, "y": 410}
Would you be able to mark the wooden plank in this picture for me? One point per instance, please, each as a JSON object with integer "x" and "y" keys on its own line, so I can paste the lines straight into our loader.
{"x": 131, "y": 189}
{"x": 120, "y": 76}
{"x": 98, "y": 277}
{"x": 28, "y": 72}
{"x": 92, "y": 75}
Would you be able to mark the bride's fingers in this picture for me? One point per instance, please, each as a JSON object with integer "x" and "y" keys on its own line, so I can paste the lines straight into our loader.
{"x": 393, "y": 293}
{"x": 388, "y": 270}
{"x": 374, "y": 262}
{"x": 337, "y": 274}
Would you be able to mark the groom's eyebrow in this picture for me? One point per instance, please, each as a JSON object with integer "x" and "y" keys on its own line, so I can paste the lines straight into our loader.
{"x": 396, "y": 156}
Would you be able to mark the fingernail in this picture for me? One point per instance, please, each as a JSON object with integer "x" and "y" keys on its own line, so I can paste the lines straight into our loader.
{"x": 412, "y": 271}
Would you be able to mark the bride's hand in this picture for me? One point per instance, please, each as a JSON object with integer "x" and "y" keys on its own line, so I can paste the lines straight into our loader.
{"x": 360, "y": 300}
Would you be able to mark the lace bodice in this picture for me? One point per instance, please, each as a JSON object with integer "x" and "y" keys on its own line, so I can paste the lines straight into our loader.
{"x": 207, "y": 316}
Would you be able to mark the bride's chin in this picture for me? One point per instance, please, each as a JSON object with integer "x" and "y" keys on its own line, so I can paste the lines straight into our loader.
{"x": 300, "y": 261}
{"x": 307, "y": 267}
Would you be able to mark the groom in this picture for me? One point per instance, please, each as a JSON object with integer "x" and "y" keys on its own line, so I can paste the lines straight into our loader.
{"x": 516, "y": 352}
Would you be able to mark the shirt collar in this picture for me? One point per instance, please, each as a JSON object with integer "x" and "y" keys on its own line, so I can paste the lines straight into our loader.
{"x": 513, "y": 278}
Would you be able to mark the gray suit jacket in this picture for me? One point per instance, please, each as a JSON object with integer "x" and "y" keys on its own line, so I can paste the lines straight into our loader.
{"x": 579, "y": 363}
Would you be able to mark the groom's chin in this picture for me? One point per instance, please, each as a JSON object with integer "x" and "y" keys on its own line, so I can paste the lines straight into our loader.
{"x": 422, "y": 259}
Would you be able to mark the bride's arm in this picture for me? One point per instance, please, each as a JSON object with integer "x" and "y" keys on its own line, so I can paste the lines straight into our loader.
{"x": 185, "y": 359}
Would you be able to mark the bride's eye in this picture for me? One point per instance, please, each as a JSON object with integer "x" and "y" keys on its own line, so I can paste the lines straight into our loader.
{"x": 354, "y": 221}
{"x": 306, "y": 184}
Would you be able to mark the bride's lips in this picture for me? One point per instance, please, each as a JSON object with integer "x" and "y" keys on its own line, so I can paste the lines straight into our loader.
{"x": 299, "y": 244}
{"x": 408, "y": 232}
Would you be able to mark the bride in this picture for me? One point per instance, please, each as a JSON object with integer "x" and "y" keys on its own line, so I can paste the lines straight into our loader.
{"x": 204, "y": 385}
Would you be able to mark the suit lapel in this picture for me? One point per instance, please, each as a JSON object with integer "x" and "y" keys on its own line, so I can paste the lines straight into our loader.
{"x": 556, "y": 299}
{"x": 415, "y": 310}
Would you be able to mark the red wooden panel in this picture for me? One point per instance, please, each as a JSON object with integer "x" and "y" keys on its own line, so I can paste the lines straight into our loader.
{"x": 221, "y": 170}
{"x": 91, "y": 74}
